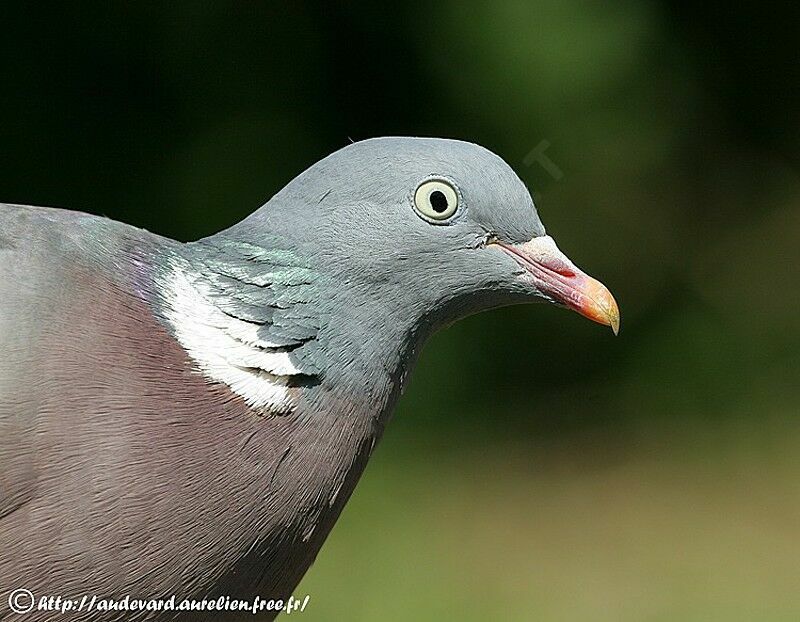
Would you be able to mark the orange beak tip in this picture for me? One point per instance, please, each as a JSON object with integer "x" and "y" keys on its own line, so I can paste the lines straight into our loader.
{"x": 598, "y": 304}
{"x": 614, "y": 323}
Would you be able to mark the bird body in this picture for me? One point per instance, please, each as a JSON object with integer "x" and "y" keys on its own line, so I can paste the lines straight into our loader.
{"x": 190, "y": 419}
{"x": 129, "y": 464}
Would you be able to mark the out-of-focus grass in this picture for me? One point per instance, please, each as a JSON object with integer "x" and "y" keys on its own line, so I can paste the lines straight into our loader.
{"x": 701, "y": 526}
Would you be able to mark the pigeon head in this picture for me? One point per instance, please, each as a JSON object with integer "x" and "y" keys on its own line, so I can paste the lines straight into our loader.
{"x": 351, "y": 265}
{"x": 440, "y": 227}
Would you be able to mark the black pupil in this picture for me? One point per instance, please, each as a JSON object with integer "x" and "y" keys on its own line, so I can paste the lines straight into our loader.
{"x": 438, "y": 201}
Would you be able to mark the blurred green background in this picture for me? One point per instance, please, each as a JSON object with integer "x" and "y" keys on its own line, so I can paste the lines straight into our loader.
{"x": 537, "y": 468}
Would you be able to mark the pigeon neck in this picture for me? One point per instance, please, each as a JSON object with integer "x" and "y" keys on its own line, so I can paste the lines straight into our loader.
{"x": 275, "y": 331}
{"x": 233, "y": 317}
{"x": 370, "y": 345}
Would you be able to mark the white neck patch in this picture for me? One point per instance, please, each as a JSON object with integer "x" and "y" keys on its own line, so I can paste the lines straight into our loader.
{"x": 224, "y": 348}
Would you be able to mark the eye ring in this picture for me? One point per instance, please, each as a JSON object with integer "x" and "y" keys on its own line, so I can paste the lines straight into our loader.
{"x": 436, "y": 200}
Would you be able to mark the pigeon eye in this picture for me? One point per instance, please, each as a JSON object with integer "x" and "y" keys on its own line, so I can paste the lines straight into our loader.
{"x": 435, "y": 200}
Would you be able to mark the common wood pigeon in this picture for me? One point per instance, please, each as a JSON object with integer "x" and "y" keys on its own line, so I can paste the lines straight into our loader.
{"x": 190, "y": 419}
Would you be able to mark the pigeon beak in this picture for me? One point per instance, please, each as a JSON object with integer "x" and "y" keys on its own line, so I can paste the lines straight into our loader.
{"x": 555, "y": 276}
